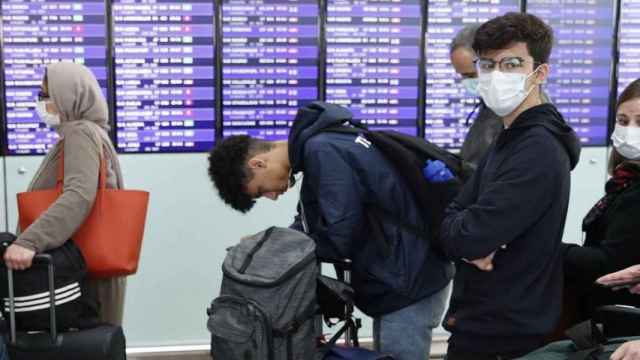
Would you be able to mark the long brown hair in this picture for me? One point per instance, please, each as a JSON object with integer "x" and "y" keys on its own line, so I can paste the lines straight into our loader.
{"x": 632, "y": 91}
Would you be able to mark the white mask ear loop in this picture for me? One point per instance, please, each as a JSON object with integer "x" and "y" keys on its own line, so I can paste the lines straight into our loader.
{"x": 534, "y": 85}
{"x": 52, "y": 120}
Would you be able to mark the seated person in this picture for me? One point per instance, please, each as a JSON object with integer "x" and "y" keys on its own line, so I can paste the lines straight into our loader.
{"x": 631, "y": 349}
{"x": 611, "y": 226}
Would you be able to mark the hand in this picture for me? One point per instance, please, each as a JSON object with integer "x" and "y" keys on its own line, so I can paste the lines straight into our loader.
{"x": 630, "y": 274}
{"x": 18, "y": 258}
{"x": 627, "y": 351}
{"x": 436, "y": 171}
{"x": 484, "y": 264}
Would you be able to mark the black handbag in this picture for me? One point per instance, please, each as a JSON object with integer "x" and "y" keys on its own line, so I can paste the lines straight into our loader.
{"x": 74, "y": 308}
{"x": 103, "y": 342}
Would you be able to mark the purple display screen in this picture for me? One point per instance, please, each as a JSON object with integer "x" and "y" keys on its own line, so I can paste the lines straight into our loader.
{"x": 629, "y": 43}
{"x": 448, "y": 105}
{"x": 579, "y": 82}
{"x": 164, "y": 75}
{"x": 35, "y": 33}
{"x": 373, "y": 55}
{"x": 269, "y": 64}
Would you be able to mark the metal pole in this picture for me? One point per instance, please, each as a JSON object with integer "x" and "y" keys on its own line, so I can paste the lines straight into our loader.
{"x": 12, "y": 310}
{"x": 348, "y": 310}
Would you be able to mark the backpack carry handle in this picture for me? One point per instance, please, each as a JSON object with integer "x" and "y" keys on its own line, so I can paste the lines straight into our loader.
{"x": 46, "y": 260}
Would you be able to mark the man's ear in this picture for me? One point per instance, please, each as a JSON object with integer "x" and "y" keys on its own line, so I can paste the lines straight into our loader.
{"x": 256, "y": 163}
{"x": 542, "y": 74}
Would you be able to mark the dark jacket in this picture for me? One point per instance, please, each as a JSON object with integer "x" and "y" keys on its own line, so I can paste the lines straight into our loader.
{"x": 344, "y": 175}
{"x": 515, "y": 204}
{"x": 611, "y": 244}
{"x": 483, "y": 131}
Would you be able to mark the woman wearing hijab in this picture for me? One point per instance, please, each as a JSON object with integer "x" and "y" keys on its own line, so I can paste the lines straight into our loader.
{"x": 611, "y": 226}
{"x": 72, "y": 103}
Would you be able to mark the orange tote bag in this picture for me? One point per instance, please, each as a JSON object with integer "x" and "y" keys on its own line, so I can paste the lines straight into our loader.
{"x": 110, "y": 238}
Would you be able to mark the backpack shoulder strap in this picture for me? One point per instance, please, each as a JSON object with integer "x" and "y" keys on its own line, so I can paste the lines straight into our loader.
{"x": 432, "y": 151}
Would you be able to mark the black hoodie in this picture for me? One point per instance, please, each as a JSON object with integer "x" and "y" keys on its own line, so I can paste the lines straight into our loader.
{"x": 515, "y": 204}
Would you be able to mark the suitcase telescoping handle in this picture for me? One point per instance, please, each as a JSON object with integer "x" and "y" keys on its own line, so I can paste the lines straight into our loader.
{"x": 345, "y": 266}
{"x": 44, "y": 259}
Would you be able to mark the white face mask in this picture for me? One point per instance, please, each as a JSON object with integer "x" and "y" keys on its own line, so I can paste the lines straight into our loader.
{"x": 626, "y": 140}
{"x": 52, "y": 120}
{"x": 503, "y": 92}
{"x": 471, "y": 85}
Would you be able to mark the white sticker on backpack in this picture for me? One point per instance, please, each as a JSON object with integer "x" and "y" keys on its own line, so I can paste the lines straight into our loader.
{"x": 362, "y": 141}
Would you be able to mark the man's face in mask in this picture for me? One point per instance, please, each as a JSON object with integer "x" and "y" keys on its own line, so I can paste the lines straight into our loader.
{"x": 512, "y": 60}
{"x": 510, "y": 77}
{"x": 462, "y": 61}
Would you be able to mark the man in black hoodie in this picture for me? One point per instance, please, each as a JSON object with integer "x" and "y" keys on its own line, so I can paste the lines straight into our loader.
{"x": 504, "y": 230}
{"x": 398, "y": 279}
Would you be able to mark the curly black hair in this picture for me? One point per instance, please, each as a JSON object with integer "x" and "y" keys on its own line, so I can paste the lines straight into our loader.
{"x": 229, "y": 172}
{"x": 502, "y": 31}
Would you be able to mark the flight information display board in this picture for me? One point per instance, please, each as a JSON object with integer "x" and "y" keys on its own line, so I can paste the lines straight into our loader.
{"x": 579, "y": 83}
{"x": 269, "y": 64}
{"x": 448, "y": 105}
{"x": 629, "y": 43}
{"x": 165, "y": 75}
{"x": 35, "y": 33}
{"x": 373, "y": 56}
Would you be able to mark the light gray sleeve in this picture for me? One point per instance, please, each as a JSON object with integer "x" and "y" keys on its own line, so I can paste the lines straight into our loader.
{"x": 61, "y": 220}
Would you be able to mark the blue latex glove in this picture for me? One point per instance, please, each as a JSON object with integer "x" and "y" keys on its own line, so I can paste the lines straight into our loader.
{"x": 436, "y": 171}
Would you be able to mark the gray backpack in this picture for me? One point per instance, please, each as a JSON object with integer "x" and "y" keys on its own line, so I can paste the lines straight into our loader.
{"x": 267, "y": 301}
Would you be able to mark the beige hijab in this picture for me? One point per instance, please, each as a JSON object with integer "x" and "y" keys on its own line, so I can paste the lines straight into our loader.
{"x": 77, "y": 95}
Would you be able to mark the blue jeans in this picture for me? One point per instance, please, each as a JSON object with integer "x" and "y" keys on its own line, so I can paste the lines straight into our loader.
{"x": 406, "y": 333}
{"x": 4, "y": 355}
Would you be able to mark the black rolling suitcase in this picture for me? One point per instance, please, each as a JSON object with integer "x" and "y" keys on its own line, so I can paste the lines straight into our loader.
{"x": 104, "y": 342}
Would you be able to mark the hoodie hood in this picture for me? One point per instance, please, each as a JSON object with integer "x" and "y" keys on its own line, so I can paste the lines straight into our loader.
{"x": 547, "y": 116}
{"x": 309, "y": 121}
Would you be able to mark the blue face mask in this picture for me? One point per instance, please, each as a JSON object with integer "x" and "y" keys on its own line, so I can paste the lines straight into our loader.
{"x": 471, "y": 85}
